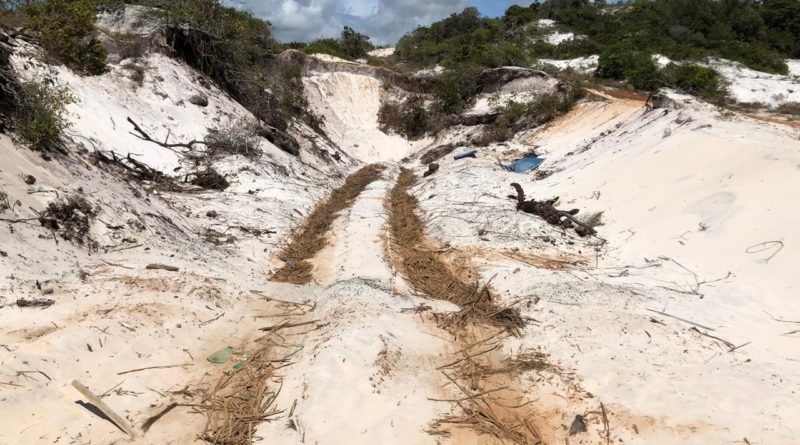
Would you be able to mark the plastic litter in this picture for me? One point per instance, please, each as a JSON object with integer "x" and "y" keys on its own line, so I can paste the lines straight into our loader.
{"x": 222, "y": 356}
{"x": 525, "y": 165}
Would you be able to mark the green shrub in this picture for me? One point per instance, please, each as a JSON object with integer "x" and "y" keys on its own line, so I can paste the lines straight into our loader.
{"x": 66, "y": 31}
{"x": 619, "y": 62}
{"x": 614, "y": 63}
{"x": 40, "y": 118}
{"x": 409, "y": 119}
{"x": 454, "y": 88}
{"x": 331, "y": 47}
{"x": 236, "y": 137}
{"x": 643, "y": 72}
{"x": 692, "y": 79}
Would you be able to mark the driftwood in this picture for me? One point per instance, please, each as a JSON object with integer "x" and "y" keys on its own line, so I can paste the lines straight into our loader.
{"x": 547, "y": 211}
{"x": 162, "y": 267}
{"x": 105, "y": 409}
{"x": 40, "y": 302}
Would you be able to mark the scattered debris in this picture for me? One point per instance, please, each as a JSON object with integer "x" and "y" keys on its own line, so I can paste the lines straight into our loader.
{"x": 241, "y": 399}
{"x": 773, "y": 247}
{"x": 141, "y": 134}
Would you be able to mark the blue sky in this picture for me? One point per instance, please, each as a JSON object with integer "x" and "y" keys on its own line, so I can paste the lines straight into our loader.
{"x": 494, "y": 8}
{"x": 383, "y": 20}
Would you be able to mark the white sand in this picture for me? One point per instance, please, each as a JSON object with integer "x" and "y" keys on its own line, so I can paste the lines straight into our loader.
{"x": 382, "y": 52}
{"x": 794, "y": 67}
{"x": 587, "y": 64}
{"x": 750, "y": 86}
{"x": 658, "y": 177}
{"x": 349, "y": 102}
{"x": 687, "y": 194}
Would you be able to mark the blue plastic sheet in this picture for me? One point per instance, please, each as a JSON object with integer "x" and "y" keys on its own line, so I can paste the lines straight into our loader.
{"x": 525, "y": 165}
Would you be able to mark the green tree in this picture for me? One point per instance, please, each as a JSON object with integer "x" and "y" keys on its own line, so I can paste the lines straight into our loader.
{"x": 66, "y": 31}
{"x": 354, "y": 44}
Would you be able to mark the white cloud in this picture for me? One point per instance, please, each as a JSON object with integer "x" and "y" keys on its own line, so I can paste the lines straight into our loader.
{"x": 383, "y": 20}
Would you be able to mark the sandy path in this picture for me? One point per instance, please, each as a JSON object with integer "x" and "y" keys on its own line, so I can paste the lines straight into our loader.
{"x": 367, "y": 377}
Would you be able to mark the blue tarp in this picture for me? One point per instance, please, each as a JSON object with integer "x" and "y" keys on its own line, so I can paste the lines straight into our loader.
{"x": 525, "y": 165}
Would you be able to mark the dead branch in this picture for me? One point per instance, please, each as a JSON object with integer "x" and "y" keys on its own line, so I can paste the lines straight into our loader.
{"x": 605, "y": 423}
{"x": 154, "y": 367}
{"x": 149, "y": 422}
{"x": 681, "y": 319}
{"x": 287, "y": 325}
{"x": 762, "y": 247}
{"x": 728, "y": 344}
{"x": 146, "y": 137}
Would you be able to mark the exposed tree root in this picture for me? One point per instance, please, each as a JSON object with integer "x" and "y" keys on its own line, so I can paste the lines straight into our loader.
{"x": 547, "y": 211}
{"x": 309, "y": 238}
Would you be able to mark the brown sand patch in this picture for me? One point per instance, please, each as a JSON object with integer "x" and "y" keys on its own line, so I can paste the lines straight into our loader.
{"x": 310, "y": 238}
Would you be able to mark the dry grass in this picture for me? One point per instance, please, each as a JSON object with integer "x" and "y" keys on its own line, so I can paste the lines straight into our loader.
{"x": 241, "y": 400}
{"x": 428, "y": 273}
{"x": 309, "y": 239}
{"x": 484, "y": 383}
{"x": 483, "y": 378}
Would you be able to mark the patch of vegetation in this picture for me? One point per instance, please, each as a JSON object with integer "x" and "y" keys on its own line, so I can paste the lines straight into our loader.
{"x": 71, "y": 218}
{"x": 696, "y": 80}
{"x": 236, "y": 137}
{"x": 40, "y": 118}
{"x": 409, "y": 118}
{"x": 620, "y": 63}
{"x": 759, "y": 34}
{"x": 515, "y": 116}
{"x": 209, "y": 179}
{"x": 790, "y": 108}
{"x": 66, "y": 31}
{"x": 350, "y": 45}
{"x": 640, "y": 71}
{"x": 454, "y": 88}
